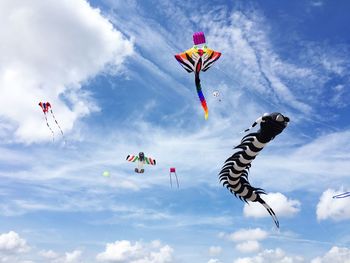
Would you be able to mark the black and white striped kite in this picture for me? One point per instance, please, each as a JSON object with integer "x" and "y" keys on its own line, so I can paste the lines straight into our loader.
{"x": 234, "y": 173}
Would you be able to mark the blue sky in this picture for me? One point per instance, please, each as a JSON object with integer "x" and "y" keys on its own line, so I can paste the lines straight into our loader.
{"x": 107, "y": 67}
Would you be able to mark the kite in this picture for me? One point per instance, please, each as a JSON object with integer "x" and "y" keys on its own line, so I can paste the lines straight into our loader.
{"x": 173, "y": 171}
{"x": 343, "y": 195}
{"x": 46, "y": 107}
{"x": 196, "y": 59}
{"x": 234, "y": 173}
{"x": 141, "y": 159}
{"x": 216, "y": 94}
{"x": 106, "y": 174}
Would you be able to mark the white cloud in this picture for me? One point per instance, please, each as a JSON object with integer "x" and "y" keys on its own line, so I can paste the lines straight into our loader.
{"x": 124, "y": 251}
{"x": 215, "y": 250}
{"x": 281, "y": 205}
{"x": 247, "y": 239}
{"x": 271, "y": 256}
{"x": 68, "y": 257}
{"x": 214, "y": 260}
{"x": 73, "y": 256}
{"x": 248, "y": 246}
{"x": 48, "y": 254}
{"x": 334, "y": 255}
{"x": 12, "y": 243}
{"x": 248, "y": 234}
{"x": 332, "y": 208}
{"x": 58, "y": 45}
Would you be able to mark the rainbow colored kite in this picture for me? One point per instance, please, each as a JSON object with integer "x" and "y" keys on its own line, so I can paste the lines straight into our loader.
{"x": 196, "y": 59}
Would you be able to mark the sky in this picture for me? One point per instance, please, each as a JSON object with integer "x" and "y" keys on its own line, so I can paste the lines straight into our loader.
{"x": 108, "y": 69}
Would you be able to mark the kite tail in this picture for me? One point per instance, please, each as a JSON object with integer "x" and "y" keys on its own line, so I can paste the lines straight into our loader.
{"x": 343, "y": 195}
{"x": 271, "y": 212}
{"x": 177, "y": 181}
{"x": 53, "y": 115}
{"x": 201, "y": 96}
{"x": 47, "y": 123}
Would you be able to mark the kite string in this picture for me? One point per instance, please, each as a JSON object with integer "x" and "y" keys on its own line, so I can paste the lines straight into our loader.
{"x": 47, "y": 123}
{"x": 53, "y": 115}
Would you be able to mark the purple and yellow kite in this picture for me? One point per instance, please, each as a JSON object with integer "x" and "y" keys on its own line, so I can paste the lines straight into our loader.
{"x": 196, "y": 59}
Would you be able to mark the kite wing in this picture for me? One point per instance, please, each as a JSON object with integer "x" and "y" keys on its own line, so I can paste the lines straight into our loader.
{"x": 150, "y": 161}
{"x": 132, "y": 158}
{"x": 188, "y": 59}
{"x": 209, "y": 57}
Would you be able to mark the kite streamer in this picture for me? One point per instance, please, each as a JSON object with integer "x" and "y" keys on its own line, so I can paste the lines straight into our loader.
{"x": 343, "y": 195}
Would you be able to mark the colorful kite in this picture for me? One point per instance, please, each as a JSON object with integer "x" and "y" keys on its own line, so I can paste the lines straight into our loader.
{"x": 141, "y": 159}
{"x": 46, "y": 106}
{"x": 173, "y": 171}
{"x": 196, "y": 59}
{"x": 343, "y": 195}
{"x": 234, "y": 173}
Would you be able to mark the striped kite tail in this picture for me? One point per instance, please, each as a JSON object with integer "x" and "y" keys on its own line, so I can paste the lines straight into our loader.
{"x": 201, "y": 96}
{"x": 269, "y": 209}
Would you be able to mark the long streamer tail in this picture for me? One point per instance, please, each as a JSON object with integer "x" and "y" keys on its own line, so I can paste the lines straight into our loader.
{"x": 53, "y": 115}
{"x": 343, "y": 195}
{"x": 47, "y": 123}
{"x": 271, "y": 212}
{"x": 200, "y": 95}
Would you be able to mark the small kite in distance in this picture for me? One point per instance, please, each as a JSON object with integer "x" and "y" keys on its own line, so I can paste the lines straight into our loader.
{"x": 141, "y": 160}
{"x": 173, "y": 171}
{"x": 46, "y": 107}
{"x": 106, "y": 174}
{"x": 216, "y": 94}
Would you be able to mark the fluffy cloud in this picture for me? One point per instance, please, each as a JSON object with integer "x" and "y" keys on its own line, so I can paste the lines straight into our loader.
{"x": 330, "y": 208}
{"x": 248, "y": 234}
{"x": 68, "y": 257}
{"x": 48, "y": 254}
{"x": 124, "y": 251}
{"x": 247, "y": 239}
{"x": 73, "y": 256}
{"x": 214, "y": 260}
{"x": 48, "y": 50}
{"x": 334, "y": 255}
{"x": 12, "y": 243}
{"x": 215, "y": 250}
{"x": 279, "y": 203}
{"x": 271, "y": 256}
{"x": 248, "y": 246}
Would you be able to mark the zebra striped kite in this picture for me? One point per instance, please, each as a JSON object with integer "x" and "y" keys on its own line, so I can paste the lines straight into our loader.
{"x": 234, "y": 173}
